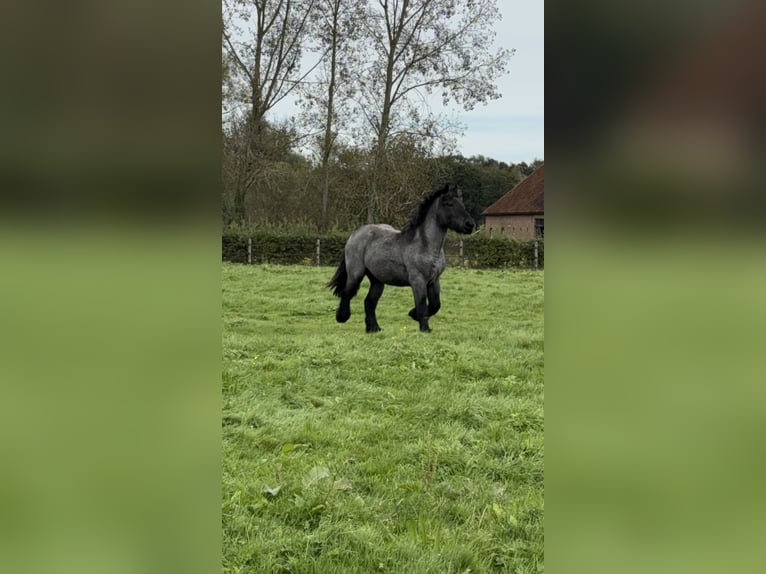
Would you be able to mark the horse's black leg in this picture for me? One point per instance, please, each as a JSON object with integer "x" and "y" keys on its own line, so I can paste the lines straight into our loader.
{"x": 419, "y": 292}
{"x": 434, "y": 301}
{"x": 344, "y": 309}
{"x": 370, "y": 303}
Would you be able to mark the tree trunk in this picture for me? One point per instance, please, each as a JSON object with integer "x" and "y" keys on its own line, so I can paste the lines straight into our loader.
{"x": 380, "y": 151}
{"x": 385, "y": 116}
{"x": 328, "y": 135}
{"x": 238, "y": 206}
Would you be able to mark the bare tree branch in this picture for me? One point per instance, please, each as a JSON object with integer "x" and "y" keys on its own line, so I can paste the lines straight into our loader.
{"x": 233, "y": 53}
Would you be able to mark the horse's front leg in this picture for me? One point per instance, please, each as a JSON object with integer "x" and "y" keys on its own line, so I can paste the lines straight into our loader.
{"x": 419, "y": 292}
{"x": 434, "y": 300}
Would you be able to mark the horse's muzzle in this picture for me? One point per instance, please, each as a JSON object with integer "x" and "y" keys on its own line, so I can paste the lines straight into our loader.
{"x": 468, "y": 226}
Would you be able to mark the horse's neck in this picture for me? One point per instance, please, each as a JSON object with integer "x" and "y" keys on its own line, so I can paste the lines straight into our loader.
{"x": 432, "y": 235}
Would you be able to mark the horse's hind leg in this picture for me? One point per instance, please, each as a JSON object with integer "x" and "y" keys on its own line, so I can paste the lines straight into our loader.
{"x": 353, "y": 281}
{"x": 344, "y": 310}
{"x": 371, "y": 303}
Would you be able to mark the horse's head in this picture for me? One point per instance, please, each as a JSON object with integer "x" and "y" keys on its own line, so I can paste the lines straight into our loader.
{"x": 453, "y": 215}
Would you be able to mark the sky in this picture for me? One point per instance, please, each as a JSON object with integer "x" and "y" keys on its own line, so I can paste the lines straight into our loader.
{"x": 511, "y": 129}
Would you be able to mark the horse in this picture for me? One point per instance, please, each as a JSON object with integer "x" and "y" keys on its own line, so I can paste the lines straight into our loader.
{"x": 413, "y": 256}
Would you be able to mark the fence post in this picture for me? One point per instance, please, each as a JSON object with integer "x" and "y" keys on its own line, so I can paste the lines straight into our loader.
{"x": 318, "y": 243}
{"x": 462, "y": 261}
{"x": 249, "y": 250}
{"x": 536, "y": 256}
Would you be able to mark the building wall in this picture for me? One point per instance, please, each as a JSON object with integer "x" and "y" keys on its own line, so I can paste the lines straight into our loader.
{"x": 518, "y": 226}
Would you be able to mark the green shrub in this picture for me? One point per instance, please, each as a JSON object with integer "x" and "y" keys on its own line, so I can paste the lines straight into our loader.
{"x": 270, "y": 246}
{"x": 290, "y": 246}
{"x": 483, "y": 252}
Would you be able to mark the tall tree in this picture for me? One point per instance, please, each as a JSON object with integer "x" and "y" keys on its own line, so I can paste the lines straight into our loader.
{"x": 414, "y": 48}
{"x": 325, "y": 98}
{"x": 264, "y": 41}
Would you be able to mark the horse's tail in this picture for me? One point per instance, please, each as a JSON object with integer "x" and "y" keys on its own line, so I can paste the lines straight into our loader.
{"x": 338, "y": 281}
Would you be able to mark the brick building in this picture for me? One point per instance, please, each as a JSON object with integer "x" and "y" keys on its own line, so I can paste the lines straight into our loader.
{"x": 520, "y": 212}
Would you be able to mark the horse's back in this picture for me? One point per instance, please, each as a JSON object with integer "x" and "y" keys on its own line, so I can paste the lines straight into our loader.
{"x": 375, "y": 247}
{"x": 374, "y": 230}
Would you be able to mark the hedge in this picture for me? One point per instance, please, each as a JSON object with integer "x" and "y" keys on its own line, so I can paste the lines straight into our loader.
{"x": 479, "y": 250}
{"x": 273, "y": 247}
{"x": 482, "y": 252}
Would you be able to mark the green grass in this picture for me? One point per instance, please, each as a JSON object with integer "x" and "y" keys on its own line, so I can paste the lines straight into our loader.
{"x": 400, "y": 451}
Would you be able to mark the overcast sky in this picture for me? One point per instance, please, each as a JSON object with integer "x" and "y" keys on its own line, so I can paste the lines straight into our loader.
{"x": 511, "y": 129}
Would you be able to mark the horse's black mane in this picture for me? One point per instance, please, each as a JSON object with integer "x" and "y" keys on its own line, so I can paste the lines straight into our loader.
{"x": 419, "y": 216}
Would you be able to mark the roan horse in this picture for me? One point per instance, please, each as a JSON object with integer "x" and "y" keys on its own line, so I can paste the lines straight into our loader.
{"x": 413, "y": 256}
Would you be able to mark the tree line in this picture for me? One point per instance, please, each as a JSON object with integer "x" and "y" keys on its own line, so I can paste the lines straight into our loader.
{"x": 364, "y": 145}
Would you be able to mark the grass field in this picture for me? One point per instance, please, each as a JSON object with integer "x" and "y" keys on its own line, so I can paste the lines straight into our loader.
{"x": 400, "y": 451}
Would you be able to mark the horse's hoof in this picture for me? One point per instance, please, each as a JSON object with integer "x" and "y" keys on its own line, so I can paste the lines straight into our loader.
{"x": 412, "y": 314}
{"x": 342, "y": 317}
{"x": 373, "y": 329}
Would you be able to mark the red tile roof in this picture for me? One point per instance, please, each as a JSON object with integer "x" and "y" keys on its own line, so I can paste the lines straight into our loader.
{"x": 526, "y": 197}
